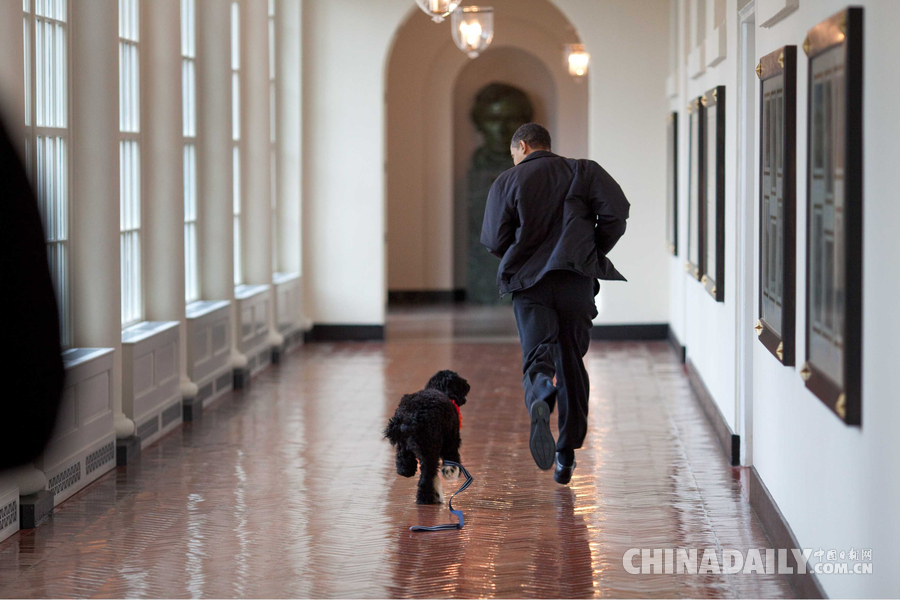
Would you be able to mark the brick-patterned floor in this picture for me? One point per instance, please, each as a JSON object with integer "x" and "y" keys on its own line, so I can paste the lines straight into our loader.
{"x": 288, "y": 490}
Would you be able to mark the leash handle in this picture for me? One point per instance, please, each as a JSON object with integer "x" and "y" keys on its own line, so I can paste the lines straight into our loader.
{"x": 457, "y": 513}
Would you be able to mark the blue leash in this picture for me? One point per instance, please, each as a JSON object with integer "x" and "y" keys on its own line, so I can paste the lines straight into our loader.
{"x": 457, "y": 513}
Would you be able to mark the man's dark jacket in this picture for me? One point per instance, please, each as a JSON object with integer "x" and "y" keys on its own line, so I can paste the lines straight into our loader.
{"x": 551, "y": 213}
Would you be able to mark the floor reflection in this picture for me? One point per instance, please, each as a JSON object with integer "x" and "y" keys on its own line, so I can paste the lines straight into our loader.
{"x": 288, "y": 490}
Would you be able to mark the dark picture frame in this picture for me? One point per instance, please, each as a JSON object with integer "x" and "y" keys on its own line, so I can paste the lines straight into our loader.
{"x": 713, "y": 185}
{"x": 834, "y": 233}
{"x": 695, "y": 250}
{"x": 672, "y": 184}
{"x": 777, "y": 276}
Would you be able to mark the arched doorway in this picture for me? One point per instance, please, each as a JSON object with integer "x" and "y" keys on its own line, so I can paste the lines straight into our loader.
{"x": 429, "y": 138}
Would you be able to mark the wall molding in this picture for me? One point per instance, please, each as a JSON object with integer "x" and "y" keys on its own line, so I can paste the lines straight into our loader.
{"x": 345, "y": 333}
{"x": 730, "y": 442}
{"x": 677, "y": 346}
{"x": 414, "y": 297}
{"x": 631, "y": 332}
{"x": 781, "y": 535}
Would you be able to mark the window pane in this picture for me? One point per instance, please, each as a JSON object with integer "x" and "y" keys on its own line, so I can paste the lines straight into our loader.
{"x": 130, "y": 223}
{"x": 189, "y": 102}
{"x": 236, "y": 166}
{"x": 271, "y": 48}
{"x": 129, "y": 23}
{"x": 236, "y": 207}
{"x": 235, "y": 36}
{"x": 235, "y": 107}
{"x": 40, "y": 68}
{"x": 191, "y": 284}
{"x": 272, "y": 115}
{"x": 129, "y": 88}
{"x": 46, "y": 103}
{"x": 190, "y": 183}
{"x": 26, "y": 39}
{"x": 238, "y": 279}
{"x": 187, "y": 28}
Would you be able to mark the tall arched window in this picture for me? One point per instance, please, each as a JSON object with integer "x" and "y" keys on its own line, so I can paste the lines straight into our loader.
{"x": 189, "y": 131}
{"x": 273, "y": 147}
{"x": 236, "y": 136}
{"x": 45, "y": 28}
{"x": 130, "y": 161}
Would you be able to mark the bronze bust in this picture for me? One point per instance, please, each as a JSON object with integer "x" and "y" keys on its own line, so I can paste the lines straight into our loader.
{"x": 498, "y": 112}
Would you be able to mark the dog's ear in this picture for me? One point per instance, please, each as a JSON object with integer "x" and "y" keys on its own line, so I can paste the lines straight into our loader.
{"x": 451, "y": 384}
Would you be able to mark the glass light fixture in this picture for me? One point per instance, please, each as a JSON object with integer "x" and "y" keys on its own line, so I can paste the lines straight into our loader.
{"x": 473, "y": 28}
{"x": 438, "y": 9}
{"x": 577, "y": 60}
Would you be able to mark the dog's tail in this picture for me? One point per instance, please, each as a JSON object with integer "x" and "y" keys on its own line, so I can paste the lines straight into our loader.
{"x": 394, "y": 431}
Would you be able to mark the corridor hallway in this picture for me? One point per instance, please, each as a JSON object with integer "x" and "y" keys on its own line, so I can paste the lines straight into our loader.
{"x": 288, "y": 490}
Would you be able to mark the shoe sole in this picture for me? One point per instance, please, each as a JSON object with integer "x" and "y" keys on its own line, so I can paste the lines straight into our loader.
{"x": 564, "y": 480}
{"x": 542, "y": 444}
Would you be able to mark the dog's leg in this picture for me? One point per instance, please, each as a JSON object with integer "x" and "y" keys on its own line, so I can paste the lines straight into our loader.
{"x": 450, "y": 452}
{"x": 438, "y": 488}
{"x": 429, "y": 491}
{"x": 406, "y": 462}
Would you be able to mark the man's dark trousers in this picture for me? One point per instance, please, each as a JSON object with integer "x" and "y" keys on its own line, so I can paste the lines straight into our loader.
{"x": 554, "y": 318}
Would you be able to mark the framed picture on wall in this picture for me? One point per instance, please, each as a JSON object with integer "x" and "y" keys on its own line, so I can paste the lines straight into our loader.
{"x": 672, "y": 184}
{"x": 778, "y": 202}
{"x": 695, "y": 191}
{"x": 713, "y": 185}
{"x": 833, "y": 368}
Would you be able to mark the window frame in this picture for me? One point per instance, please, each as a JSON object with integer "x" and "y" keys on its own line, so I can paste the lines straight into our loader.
{"x": 192, "y": 290}
{"x": 273, "y": 133}
{"x": 33, "y": 131}
{"x": 130, "y": 135}
{"x": 237, "y": 146}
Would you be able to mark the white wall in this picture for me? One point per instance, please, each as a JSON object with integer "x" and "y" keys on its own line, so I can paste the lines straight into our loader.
{"x": 629, "y": 48}
{"x": 704, "y": 326}
{"x": 346, "y": 44}
{"x": 837, "y": 486}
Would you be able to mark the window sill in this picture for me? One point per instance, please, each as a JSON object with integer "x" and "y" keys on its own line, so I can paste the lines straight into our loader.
{"x": 79, "y": 356}
{"x": 282, "y": 278}
{"x": 145, "y": 330}
{"x": 201, "y": 308}
{"x": 243, "y": 292}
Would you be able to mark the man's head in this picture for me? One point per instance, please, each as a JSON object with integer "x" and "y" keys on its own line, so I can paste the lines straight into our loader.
{"x": 527, "y": 139}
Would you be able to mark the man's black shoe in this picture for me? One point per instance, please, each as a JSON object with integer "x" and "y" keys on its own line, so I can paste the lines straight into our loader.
{"x": 563, "y": 473}
{"x": 541, "y": 443}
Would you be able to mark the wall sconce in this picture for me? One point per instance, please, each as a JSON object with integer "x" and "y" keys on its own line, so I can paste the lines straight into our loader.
{"x": 438, "y": 9}
{"x": 577, "y": 60}
{"x": 473, "y": 28}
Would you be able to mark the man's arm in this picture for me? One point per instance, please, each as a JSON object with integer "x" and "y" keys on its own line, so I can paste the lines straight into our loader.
{"x": 498, "y": 230}
{"x": 611, "y": 207}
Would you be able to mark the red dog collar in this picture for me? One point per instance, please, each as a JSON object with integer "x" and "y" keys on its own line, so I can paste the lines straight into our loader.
{"x": 458, "y": 412}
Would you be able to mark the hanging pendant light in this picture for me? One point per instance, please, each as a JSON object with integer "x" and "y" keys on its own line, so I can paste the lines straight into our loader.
{"x": 438, "y": 9}
{"x": 577, "y": 60}
{"x": 473, "y": 28}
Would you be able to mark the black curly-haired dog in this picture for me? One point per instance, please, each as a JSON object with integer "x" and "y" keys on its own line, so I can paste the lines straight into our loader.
{"x": 425, "y": 428}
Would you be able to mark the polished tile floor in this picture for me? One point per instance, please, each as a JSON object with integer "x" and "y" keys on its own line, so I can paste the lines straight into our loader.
{"x": 288, "y": 490}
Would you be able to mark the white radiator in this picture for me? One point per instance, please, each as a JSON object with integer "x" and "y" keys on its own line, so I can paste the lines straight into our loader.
{"x": 151, "y": 393}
